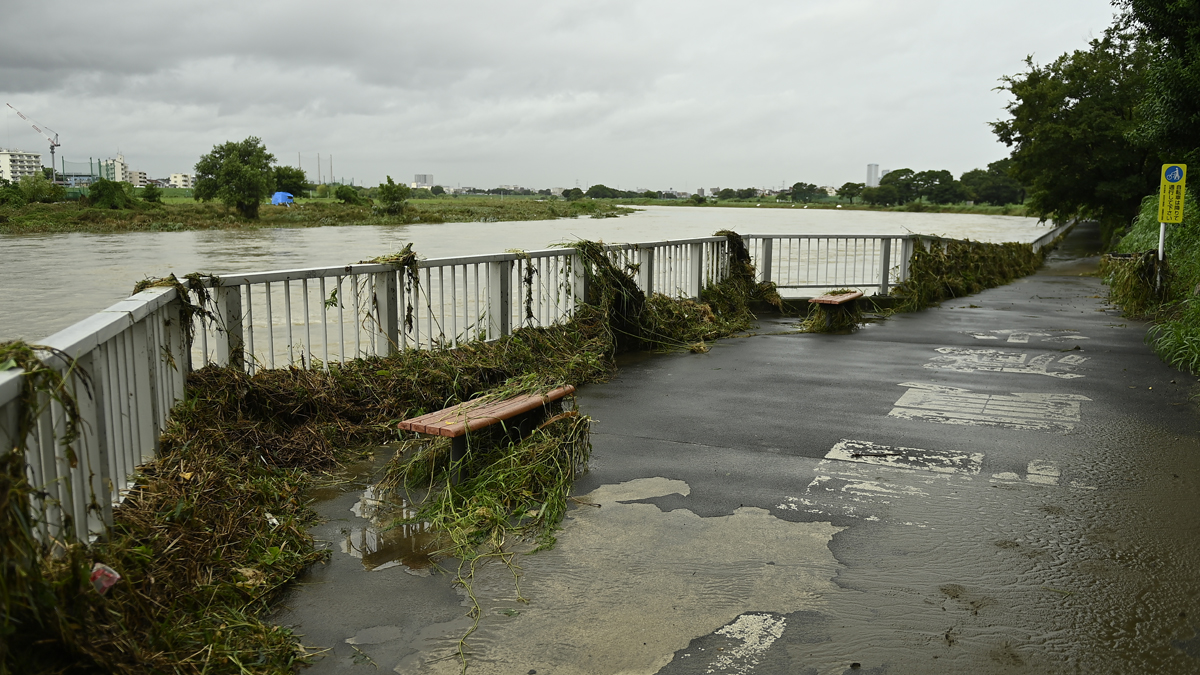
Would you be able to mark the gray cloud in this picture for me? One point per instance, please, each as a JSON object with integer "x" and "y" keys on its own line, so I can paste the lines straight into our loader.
{"x": 656, "y": 94}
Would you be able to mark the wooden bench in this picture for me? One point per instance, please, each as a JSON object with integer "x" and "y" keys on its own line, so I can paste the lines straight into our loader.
{"x": 457, "y": 420}
{"x": 831, "y": 300}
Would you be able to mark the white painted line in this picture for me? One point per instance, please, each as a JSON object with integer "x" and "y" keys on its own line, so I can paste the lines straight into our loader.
{"x": 1043, "y": 472}
{"x": 952, "y": 405}
{"x": 915, "y": 459}
{"x": 1021, "y": 336}
{"x": 996, "y": 361}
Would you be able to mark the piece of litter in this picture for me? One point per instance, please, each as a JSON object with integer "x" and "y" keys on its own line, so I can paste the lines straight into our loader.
{"x": 103, "y": 577}
{"x": 272, "y": 519}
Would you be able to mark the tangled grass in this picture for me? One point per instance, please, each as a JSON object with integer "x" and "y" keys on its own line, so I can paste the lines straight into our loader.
{"x": 1173, "y": 304}
{"x": 217, "y": 523}
{"x": 941, "y": 269}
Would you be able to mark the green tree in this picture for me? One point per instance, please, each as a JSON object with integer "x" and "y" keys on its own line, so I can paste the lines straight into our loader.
{"x": 348, "y": 195}
{"x": 38, "y": 188}
{"x": 904, "y": 181}
{"x": 851, "y": 190}
{"x": 747, "y": 193}
{"x": 108, "y": 194}
{"x": 10, "y": 194}
{"x": 1071, "y": 131}
{"x": 438, "y": 190}
{"x": 573, "y": 195}
{"x": 884, "y": 195}
{"x": 291, "y": 180}
{"x": 727, "y": 193}
{"x": 650, "y": 194}
{"x": 806, "y": 192}
{"x": 939, "y": 187}
{"x": 152, "y": 194}
{"x": 237, "y": 174}
{"x": 393, "y": 198}
{"x": 698, "y": 199}
{"x": 1170, "y": 103}
{"x": 993, "y": 186}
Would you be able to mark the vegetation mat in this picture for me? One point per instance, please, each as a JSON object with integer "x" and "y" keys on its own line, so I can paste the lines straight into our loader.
{"x": 217, "y": 524}
{"x": 1168, "y": 293}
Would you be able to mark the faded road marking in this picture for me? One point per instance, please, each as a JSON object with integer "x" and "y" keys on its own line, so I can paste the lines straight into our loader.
{"x": 866, "y": 452}
{"x": 757, "y": 633}
{"x": 1021, "y": 336}
{"x": 952, "y": 405}
{"x": 996, "y": 361}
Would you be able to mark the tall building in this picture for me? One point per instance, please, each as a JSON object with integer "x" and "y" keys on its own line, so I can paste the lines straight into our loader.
{"x": 17, "y": 163}
{"x": 422, "y": 180}
{"x": 118, "y": 170}
{"x": 183, "y": 180}
{"x": 872, "y": 175}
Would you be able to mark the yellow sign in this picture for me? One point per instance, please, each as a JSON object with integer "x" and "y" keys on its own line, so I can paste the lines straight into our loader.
{"x": 1170, "y": 193}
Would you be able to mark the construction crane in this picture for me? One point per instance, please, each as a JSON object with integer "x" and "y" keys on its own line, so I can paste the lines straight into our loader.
{"x": 53, "y": 141}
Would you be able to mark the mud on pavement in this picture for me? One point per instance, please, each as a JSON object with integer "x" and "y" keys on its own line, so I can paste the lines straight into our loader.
{"x": 1006, "y": 483}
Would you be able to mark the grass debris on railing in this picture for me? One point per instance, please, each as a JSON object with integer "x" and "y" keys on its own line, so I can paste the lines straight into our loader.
{"x": 661, "y": 322}
{"x": 941, "y": 269}
{"x": 217, "y": 524}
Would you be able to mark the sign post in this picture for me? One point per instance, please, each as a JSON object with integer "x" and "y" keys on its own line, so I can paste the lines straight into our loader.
{"x": 1170, "y": 205}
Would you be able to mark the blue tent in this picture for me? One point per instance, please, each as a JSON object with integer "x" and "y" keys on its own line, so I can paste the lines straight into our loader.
{"x": 281, "y": 198}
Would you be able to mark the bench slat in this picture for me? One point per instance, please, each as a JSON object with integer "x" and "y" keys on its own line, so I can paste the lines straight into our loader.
{"x": 467, "y": 416}
{"x": 838, "y": 299}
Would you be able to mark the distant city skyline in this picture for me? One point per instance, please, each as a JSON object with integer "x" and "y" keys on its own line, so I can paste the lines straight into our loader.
{"x": 541, "y": 94}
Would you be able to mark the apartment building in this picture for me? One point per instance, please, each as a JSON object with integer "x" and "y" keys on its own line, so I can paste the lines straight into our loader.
{"x": 118, "y": 170}
{"x": 17, "y": 163}
{"x": 183, "y": 180}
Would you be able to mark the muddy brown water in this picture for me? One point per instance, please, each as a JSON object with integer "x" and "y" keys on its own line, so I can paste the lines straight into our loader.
{"x": 50, "y": 281}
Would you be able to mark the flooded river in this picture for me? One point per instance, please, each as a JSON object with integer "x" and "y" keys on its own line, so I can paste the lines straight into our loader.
{"x": 49, "y": 281}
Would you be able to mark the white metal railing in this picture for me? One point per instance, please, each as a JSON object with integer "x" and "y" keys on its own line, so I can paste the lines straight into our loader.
{"x": 822, "y": 262}
{"x": 126, "y": 366}
{"x": 121, "y": 367}
{"x": 795, "y": 262}
{"x": 318, "y": 316}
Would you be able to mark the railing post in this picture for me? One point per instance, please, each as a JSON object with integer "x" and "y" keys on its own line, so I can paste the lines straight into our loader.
{"x": 11, "y": 386}
{"x": 646, "y": 269}
{"x": 499, "y": 301}
{"x": 579, "y": 283}
{"x": 230, "y": 349}
{"x": 885, "y": 265}
{"x": 697, "y": 268}
{"x": 387, "y": 307}
{"x": 768, "y": 250}
{"x": 92, "y": 446}
{"x": 906, "y": 253}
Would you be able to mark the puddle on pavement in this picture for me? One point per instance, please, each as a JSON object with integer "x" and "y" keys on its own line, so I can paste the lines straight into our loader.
{"x": 384, "y": 545}
{"x": 384, "y": 542}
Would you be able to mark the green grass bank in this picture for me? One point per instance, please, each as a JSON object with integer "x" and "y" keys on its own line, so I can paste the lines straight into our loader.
{"x": 1173, "y": 306}
{"x": 181, "y": 213}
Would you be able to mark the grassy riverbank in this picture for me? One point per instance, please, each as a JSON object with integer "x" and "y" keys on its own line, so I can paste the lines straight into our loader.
{"x": 1175, "y": 308}
{"x": 181, "y": 214}
{"x": 769, "y": 203}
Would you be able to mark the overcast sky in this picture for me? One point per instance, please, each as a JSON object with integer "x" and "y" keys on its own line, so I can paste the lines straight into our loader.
{"x": 638, "y": 93}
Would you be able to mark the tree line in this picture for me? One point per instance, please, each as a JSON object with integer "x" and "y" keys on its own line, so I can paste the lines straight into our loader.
{"x": 1090, "y": 130}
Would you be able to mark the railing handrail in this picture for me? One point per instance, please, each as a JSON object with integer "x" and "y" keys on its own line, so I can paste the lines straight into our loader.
{"x": 245, "y": 278}
{"x": 126, "y": 364}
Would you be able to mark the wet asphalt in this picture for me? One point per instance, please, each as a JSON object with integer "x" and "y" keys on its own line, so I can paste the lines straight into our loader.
{"x": 1005, "y": 483}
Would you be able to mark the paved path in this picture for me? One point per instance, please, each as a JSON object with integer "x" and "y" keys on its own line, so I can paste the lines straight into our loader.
{"x": 1006, "y": 483}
